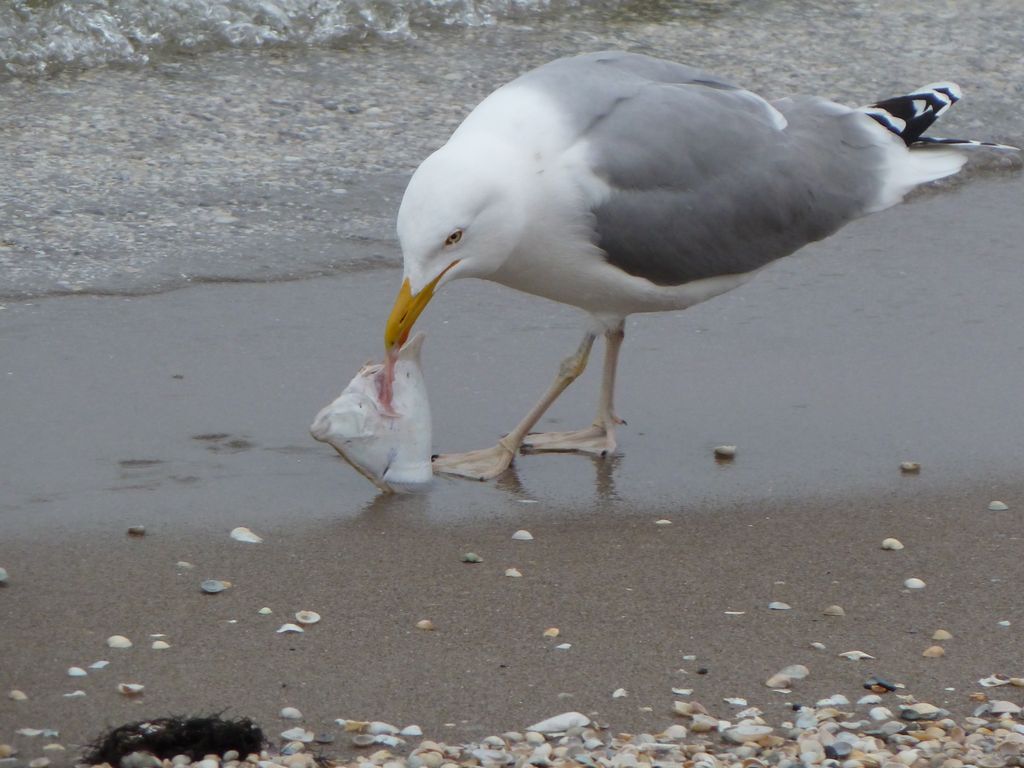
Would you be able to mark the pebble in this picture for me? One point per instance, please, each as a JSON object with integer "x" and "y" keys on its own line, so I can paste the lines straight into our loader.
{"x": 892, "y": 544}
{"x": 914, "y": 583}
{"x": 834, "y": 610}
{"x": 910, "y": 467}
{"x": 472, "y": 557}
{"x": 119, "y": 641}
{"x": 130, "y": 689}
{"x": 285, "y": 628}
{"x": 160, "y": 645}
{"x": 522, "y": 535}
{"x": 779, "y": 606}
{"x": 137, "y": 530}
{"x": 934, "y": 652}
{"x": 307, "y": 617}
{"x": 243, "y": 534}
{"x": 213, "y": 586}
{"x": 290, "y": 713}
{"x": 514, "y": 573}
{"x": 725, "y": 451}
{"x": 425, "y": 624}
{"x": 997, "y": 506}
{"x": 76, "y": 672}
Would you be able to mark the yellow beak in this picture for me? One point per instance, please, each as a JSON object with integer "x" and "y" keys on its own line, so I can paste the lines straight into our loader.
{"x": 407, "y": 308}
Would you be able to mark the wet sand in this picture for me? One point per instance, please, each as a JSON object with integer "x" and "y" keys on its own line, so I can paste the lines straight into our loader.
{"x": 898, "y": 339}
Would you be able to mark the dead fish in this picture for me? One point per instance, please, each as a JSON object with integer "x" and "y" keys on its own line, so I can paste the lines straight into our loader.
{"x": 390, "y": 446}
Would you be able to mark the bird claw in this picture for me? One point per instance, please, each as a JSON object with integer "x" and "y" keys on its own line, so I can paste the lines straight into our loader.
{"x": 595, "y": 440}
{"x": 483, "y": 464}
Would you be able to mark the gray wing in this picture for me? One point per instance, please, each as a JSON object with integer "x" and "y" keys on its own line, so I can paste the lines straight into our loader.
{"x": 707, "y": 178}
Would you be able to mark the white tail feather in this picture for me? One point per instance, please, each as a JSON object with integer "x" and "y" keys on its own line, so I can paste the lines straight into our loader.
{"x": 908, "y": 168}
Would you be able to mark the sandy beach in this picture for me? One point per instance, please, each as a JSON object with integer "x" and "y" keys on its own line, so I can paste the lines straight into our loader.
{"x": 270, "y": 215}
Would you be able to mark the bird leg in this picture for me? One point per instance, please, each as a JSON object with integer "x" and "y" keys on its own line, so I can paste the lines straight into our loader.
{"x": 488, "y": 463}
{"x": 599, "y": 438}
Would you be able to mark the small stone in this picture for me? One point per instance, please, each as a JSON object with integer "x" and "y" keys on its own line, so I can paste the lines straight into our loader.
{"x": 914, "y": 583}
{"x": 522, "y": 535}
{"x": 513, "y": 573}
{"x": 552, "y": 632}
{"x": 619, "y": 693}
{"x": 834, "y": 610}
{"x": 425, "y": 624}
{"x": 213, "y": 586}
{"x": 119, "y": 641}
{"x": 472, "y": 557}
{"x": 910, "y": 467}
{"x": 130, "y": 689}
{"x": 290, "y": 713}
{"x": 76, "y": 672}
{"x": 307, "y": 617}
{"x": 17, "y": 695}
{"x": 246, "y": 536}
{"x": 941, "y": 634}
{"x": 285, "y": 628}
{"x": 137, "y": 530}
{"x": 725, "y": 451}
{"x": 779, "y": 606}
{"x": 892, "y": 544}
{"x": 160, "y": 645}
{"x": 934, "y": 652}
{"x": 997, "y": 506}
{"x": 879, "y": 685}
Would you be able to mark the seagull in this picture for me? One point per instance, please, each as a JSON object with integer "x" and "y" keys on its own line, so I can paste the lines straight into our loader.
{"x": 619, "y": 183}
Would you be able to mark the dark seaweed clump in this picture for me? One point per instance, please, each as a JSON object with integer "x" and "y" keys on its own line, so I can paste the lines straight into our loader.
{"x": 166, "y": 737}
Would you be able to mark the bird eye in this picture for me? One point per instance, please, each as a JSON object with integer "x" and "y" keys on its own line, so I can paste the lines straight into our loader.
{"x": 453, "y": 238}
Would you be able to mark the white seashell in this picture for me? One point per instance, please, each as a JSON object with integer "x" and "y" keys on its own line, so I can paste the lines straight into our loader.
{"x": 243, "y": 534}
{"x": 741, "y": 734}
{"x": 725, "y": 451}
{"x": 942, "y": 634}
{"x": 994, "y": 681}
{"x": 619, "y": 693}
{"x": 76, "y": 672}
{"x": 871, "y": 698}
{"x": 119, "y": 641}
{"x": 184, "y": 564}
{"x": 514, "y": 573}
{"x": 1000, "y": 707}
{"x": 934, "y": 652}
{"x": 835, "y": 700}
{"x": 564, "y": 646}
{"x": 561, "y": 723}
{"x": 682, "y": 691}
{"x": 910, "y": 467}
{"x": 735, "y": 701}
{"x": 377, "y": 727}
{"x": 297, "y": 734}
{"x": 290, "y": 713}
{"x": 663, "y": 521}
{"x": 30, "y": 732}
{"x": 74, "y": 695}
{"x": 778, "y": 680}
{"x": 818, "y": 646}
{"x": 264, "y": 611}
{"x": 307, "y": 617}
{"x": 1003, "y": 623}
{"x": 834, "y": 610}
{"x": 16, "y": 695}
{"x": 779, "y": 606}
{"x": 997, "y": 506}
{"x": 855, "y": 655}
{"x": 289, "y": 628}
{"x": 425, "y": 624}
{"x": 101, "y": 664}
{"x": 913, "y": 583}
{"x": 411, "y": 730}
{"x": 160, "y": 645}
{"x": 130, "y": 689}
{"x": 522, "y": 535}
{"x": 892, "y": 544}
{"x": 552, "y": 632}
{"x": 795, "y": 671}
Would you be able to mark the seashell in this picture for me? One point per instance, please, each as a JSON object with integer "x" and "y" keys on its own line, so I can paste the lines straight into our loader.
{"x": 101, "y": 664}
{"x": 892, "y": 544}
{"x": 363, "y": 740}
{"x": 285, "y": 628}
{"x": 561, "y": 723}
{"x": 425, "y": 624}
{"x": 39, "y": 762}
{"x": 779, "y": 606}
{"x": 30, "y": 732}
{"x": 411, "y": 730}
{"x": 778, "y": 680}
{"x": 290, "y": 713}
{"x": 522, "y": 535}
{"x": 997, "y": 506}
{"x": 855, "y": 655}
{"x": 137, "y": 530}
{"x": 880, "y": 713}
{"x": 682, "y": 691}
{"x": 297, "y": 733}
{"x": 564, "y": 646}
{"x": 1000, "y": 707}
{"x": 472, "y": 557}
{"x": 871, "y": 698}
{"x": 76, "y": 672}
{"x": 552, "y": 632}
{"x": 910, "y": 467}
{"x": 184, "y": 564}
{"x": 619, "y": 693}
{"x": 795, "y": 671}
{"x": 993, "y": 681}
{"x": 914, "y": 583}
{"x": 73, "y": 695}
{"x": 923, "y": 711}
{"x": 16, "y": 695}
{"x": 119, "y": 641}
{"x": 3, "y": 576}
{"x": 663, "y": 521}
{"x": 741, "y": 734}
{"x": 243, "y": 534}
{"x": 941, "y": 634}
{"x": 376, "y": 727}
{"x": 818, "y": 646}
{"x": 213, "y": 586}
{"x": 725, "y": 451}
{"x": 834, "y": 610}
{"x": 264, "y": 611}
{"x": 130, "y": 689}
{"x": 514, "y": 573}
{"x": 1003, "y": 623}
{"x": 934, "y": 652}
{"x": 675, "y": 732}
{"x": 307, "y": 617}
{"x": 160, "y": 645}
{"x": 735, "y": 701}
